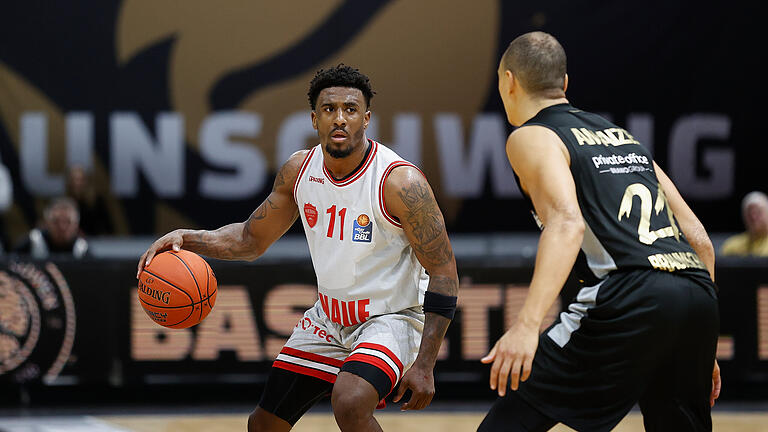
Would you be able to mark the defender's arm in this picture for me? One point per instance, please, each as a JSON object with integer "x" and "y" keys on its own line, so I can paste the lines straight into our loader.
{"x": 690, "y": 225}
{"x": 541, "y": 161}
{"x": 244, "y": 240}
{"x": 410, "y": 199}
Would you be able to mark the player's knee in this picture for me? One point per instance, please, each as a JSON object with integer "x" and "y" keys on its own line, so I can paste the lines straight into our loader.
{"x": 252, "y": 423}
{"x": 260, "y": 421}
{"x": 350, "y": 409}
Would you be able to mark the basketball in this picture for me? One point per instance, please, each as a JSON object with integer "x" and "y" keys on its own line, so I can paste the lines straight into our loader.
{"x": 177, "y": 289}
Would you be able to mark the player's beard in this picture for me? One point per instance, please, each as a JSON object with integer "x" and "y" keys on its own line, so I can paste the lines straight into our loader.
{"x": 339, "y": 153}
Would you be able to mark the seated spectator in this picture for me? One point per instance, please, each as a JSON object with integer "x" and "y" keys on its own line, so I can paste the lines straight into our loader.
{"x": 60, "y": 233}
{"x": 754, "y": 242}
{"x": 94, "y": 216}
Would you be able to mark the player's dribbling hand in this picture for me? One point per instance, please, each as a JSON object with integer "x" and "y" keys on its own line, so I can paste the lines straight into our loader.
{"x": 716, "y": 384}
{"x": 172, "y": 240}
{"x": 422, "y": 384}
{"x": 513, "y": 352}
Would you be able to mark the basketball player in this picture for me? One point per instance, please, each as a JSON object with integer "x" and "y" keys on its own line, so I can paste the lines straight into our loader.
{"x": 644, "y": 326}
{"x": 373, "y": 227}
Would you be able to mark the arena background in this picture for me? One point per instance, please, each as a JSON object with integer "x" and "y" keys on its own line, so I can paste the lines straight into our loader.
{"x": 184, "y": 111}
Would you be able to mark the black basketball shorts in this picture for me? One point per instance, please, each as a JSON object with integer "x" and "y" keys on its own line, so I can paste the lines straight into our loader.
{"x": 639, "y": 336}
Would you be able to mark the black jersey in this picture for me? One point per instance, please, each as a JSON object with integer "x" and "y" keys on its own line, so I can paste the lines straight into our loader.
{"x": 629, "y": 223}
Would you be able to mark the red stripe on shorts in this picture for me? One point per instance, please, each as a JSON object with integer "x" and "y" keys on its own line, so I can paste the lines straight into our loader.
{"x": 303, "y": 370}
{"x": 383, "y": 349}
{"x": 313, "y": 357}
{"x": 378, "y": 363}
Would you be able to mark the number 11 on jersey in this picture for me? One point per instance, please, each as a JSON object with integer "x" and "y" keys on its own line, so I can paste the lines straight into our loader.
{"x": 332, "y": 222}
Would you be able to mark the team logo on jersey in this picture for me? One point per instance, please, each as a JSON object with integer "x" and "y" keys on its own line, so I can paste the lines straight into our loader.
{"x": 362, "y": 229}
{"x": 310, "y": 212}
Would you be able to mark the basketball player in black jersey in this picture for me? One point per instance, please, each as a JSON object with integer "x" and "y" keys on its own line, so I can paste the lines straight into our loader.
{"x": 644, "y": 326}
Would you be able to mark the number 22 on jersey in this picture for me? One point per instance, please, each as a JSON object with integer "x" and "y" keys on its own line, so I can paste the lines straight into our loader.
{"x": 647, "y": 208}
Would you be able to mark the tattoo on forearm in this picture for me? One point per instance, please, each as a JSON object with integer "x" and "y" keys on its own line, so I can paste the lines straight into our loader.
{"x": 436, "y": 325}
{"x": 423, "y": 215}
{"x": 445, "y": 285}
{"x": 211, "y": 243}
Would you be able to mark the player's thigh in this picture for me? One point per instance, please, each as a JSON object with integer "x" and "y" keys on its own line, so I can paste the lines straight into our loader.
{"x": 305, "y": 369}
{"x": 384, "y": 348}
{"x": 288, "y": 396}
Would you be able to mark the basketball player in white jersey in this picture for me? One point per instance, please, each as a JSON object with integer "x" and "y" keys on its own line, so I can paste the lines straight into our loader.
{"x": 386, "y": 273}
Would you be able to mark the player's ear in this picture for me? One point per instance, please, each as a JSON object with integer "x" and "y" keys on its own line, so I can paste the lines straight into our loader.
{"x": 314, "y": 119}
{"x": 511, "y": 79}
{"x": 565, "y": 83}
{"x": 366, "y": 119}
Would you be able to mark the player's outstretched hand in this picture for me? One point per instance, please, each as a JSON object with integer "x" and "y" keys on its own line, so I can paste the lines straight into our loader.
{"x": 717, "y": 383}
{"x": 172, "y": 240}
{"x": 422, "y": 384}
{"x": 513, "y": 352}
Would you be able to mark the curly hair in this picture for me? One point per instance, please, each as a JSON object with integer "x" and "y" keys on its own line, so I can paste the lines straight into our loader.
{"x": 339, "y": 76}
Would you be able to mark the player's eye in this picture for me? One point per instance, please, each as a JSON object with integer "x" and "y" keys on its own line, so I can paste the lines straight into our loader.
{"x": 351, "y": 109}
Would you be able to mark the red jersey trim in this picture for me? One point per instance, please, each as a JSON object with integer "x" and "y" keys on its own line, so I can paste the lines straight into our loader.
{"x": 382, "y": 201}
{"x": 303, "y": 168}
{"x": 303, "y": 370}
{"x": 312, "y": 357}
{"x": 360, "y": 171}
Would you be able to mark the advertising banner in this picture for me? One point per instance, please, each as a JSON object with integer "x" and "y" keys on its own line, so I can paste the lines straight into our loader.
{"x": 80, "y": 323}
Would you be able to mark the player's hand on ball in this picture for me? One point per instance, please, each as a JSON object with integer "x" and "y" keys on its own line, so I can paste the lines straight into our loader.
{"x": 173, "y": 240}
{"x": 422, "y": 384}
{"x": 511, "y": 354}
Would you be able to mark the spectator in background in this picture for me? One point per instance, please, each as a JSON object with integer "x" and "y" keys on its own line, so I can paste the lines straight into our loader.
{"x": 94, "y": 216}
{"x": 754, "y": 242}
{"x": 60, "y": 233}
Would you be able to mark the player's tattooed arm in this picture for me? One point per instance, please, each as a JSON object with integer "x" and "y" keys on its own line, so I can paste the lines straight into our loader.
{"x": 249, "y": 239}
{"x": 409, "y": 198}
{"x": 244, "y": 240}
{"x": 424, "y": 222}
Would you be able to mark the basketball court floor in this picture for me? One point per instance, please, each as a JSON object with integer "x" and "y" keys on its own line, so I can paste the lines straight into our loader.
{"x": 441, "y": 417}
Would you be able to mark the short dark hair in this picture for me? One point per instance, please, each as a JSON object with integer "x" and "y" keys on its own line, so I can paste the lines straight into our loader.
{"x": 339, "y": 76}
{"x": 538, "y": 60}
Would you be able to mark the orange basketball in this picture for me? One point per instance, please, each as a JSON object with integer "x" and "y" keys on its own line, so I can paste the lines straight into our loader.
{"x": 177, "y": 289}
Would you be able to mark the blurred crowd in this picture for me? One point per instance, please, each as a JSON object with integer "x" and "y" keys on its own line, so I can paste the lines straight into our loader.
{"x": 67, "y": 221}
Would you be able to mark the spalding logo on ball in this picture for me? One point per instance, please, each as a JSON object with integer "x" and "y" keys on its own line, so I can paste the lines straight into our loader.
{"x": 177, "y": 289}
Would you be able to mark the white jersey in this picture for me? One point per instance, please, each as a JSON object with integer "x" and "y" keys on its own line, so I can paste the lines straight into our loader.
{"x": 364, "y": 263}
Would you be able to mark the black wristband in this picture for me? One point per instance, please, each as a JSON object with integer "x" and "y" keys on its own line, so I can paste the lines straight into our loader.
{"x": 440, "y": 304}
